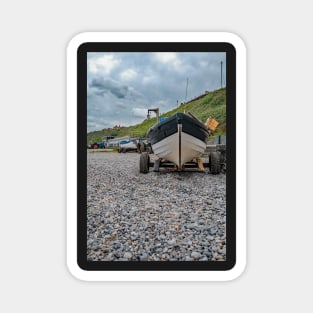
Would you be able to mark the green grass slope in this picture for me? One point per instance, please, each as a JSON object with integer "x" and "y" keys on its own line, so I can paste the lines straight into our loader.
{"x": 213, "y": 104}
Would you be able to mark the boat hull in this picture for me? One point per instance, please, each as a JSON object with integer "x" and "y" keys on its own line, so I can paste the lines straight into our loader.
{"x": 128, "y": 145}
{"x": 178, "y": 139}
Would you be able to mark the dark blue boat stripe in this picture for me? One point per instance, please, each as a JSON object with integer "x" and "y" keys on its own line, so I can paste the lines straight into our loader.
{"x": 169, "y": 127}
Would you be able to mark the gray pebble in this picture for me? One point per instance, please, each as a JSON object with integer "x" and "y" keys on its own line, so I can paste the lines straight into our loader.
{"x": 172, "y": 242}
{"x": 144, "y": 257}
{"x": 128, "y": 255}
{"x": 196, "y": 255}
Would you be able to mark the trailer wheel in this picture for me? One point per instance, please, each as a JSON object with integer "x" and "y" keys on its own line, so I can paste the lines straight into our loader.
{"x": 144, "y": 163}
{"x": 215, "y": 163}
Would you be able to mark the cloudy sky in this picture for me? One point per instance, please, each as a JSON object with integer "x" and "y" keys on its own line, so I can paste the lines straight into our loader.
{"x": 123, "y": 86}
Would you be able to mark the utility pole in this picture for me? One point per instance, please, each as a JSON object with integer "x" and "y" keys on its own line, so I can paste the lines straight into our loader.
{"x": 221, "y": 74}
{"x": 186, "y": 89}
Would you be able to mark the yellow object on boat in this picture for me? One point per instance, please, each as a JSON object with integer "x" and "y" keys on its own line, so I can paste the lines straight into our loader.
{"x": 211, "y": 123}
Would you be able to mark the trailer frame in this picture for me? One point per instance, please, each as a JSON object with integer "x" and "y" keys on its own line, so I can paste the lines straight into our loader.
{"x": 216, "y": 163}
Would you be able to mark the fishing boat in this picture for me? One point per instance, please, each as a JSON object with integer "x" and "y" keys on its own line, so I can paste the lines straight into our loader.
{"x": 179, "y": 139}
{"x": 128, "y": 145}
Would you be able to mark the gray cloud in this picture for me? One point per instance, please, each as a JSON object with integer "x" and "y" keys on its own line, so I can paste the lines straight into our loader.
{"x": 107, "y": 85}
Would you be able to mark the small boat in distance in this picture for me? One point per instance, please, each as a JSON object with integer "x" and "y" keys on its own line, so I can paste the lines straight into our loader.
{"x": 179, "y": 139}
{"x": 128, "y": 145}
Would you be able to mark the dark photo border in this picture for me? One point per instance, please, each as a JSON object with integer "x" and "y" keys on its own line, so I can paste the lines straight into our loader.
{"x": 82, "y": 51}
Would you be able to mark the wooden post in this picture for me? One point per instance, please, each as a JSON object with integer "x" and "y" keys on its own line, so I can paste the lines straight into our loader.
{"x": 200, "y": 165}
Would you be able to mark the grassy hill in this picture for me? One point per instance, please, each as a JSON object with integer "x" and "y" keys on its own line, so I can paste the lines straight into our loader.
{"x": 212, "y": 104}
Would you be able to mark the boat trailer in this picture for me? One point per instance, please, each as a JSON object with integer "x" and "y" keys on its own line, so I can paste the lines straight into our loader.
{"x": 215, "y": 160}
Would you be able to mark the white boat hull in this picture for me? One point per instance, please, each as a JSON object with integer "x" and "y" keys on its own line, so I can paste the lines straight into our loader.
{"x": 129, "y": 145}
{"x": 179, "y": 148}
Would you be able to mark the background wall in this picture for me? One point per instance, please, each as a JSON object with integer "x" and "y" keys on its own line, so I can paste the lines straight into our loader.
{"x": 34, "y": 35}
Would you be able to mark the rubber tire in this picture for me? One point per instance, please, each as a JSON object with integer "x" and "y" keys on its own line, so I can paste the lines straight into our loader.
{"x": 215, "y": 163}
{"x": 144, "y": 163}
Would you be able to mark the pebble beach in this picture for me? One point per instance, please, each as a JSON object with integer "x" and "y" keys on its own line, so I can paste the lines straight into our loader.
{"x": 165, "y": 216}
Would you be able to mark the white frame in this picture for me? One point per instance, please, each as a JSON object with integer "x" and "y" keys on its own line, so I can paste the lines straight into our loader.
{"x": 211, "y": 275}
